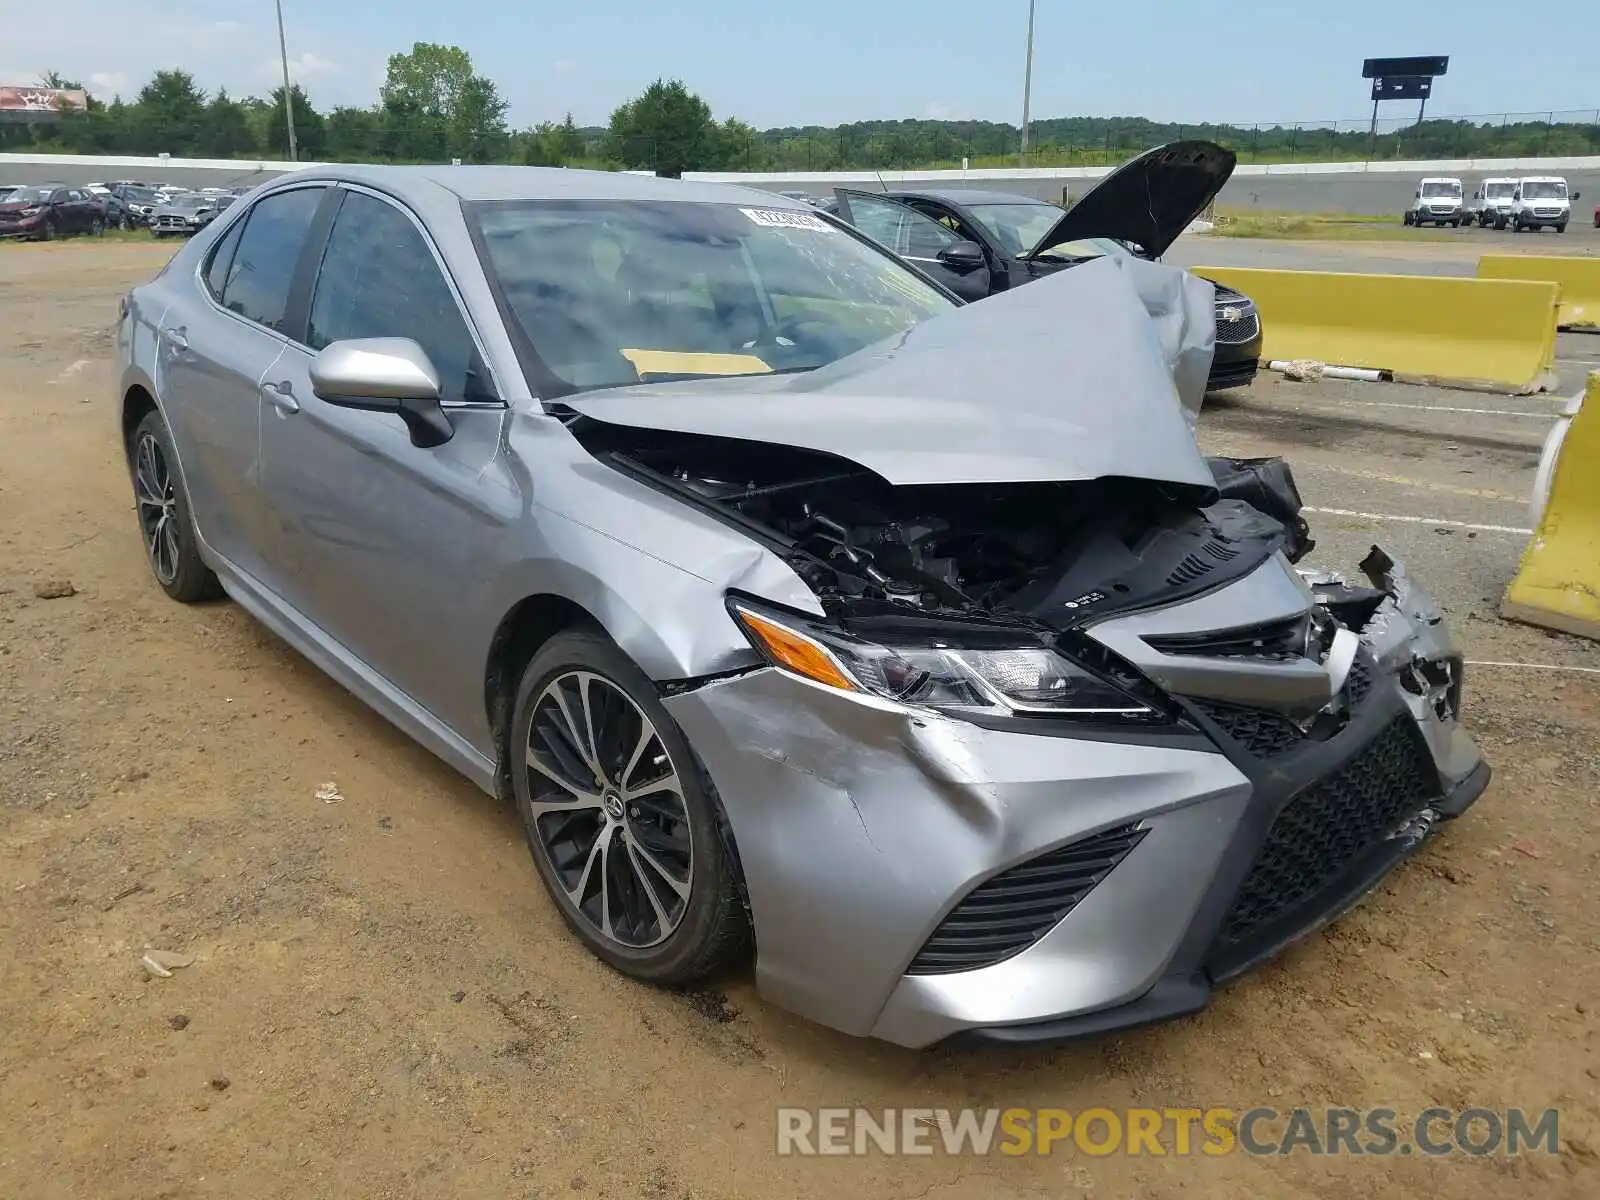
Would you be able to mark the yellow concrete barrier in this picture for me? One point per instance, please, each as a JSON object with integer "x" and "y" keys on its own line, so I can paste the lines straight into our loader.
{"x": 1558, "y": 584}
{"x": 1489, "y": 333}
{"x": 1578, "y": 278}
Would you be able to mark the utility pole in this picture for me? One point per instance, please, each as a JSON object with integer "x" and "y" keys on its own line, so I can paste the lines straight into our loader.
{"x": 288, "y": 101}
{"x": 1027, "y": 83}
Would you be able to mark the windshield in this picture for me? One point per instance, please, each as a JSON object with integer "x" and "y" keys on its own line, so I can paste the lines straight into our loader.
{"x": 135, "y": 195}
{"x": 1499, "y": 191}
{"x": 611, "y": 293}
{"x": 1018, "y": 226}
{"x": 1441, "y": 189}
{"x": 1538, "y": 189}
{"x": 189, "y": 202}
{"x": 30, "y": 195}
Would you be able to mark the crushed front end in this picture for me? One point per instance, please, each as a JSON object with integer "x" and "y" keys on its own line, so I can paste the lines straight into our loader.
{"x": 1054, "y": 759}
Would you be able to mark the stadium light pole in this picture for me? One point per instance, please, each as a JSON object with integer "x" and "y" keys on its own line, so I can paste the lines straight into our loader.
{"x": 1027, "y": 82}
{"x": 288, "y": 102}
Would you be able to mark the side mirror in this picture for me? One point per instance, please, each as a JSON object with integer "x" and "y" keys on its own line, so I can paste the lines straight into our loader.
{"x": 1576, "y": 196}
{"x": 963, "y": 256}
{"x": 384, "y": 375}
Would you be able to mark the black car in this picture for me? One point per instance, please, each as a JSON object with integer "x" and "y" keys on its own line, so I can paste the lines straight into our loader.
{"x": 980, "y": 242}
{"x": 140, "y": 202}
{"x": 50, "y": 210}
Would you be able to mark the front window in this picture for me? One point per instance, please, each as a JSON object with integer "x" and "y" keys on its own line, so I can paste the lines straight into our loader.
{"x": 1539, "y": 189}
{"x": 1499, "y": 191}
{"x": 1441, "y": 191}
{"x": 30, "y": 195}
{"x": 612, "y": 293}
{"x": 191, "y": 203}
{"x": 1018, "y": 227}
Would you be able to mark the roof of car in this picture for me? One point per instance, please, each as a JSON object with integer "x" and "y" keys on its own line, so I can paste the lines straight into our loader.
{"x": 543, "y": 183}
{"x": 968, "y": 195}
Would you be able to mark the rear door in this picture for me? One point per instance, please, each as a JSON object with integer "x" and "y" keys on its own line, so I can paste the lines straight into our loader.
{"x": 217, "y": 340}
{"x": 380, "y": 543}
{"x": 914, "y": 237}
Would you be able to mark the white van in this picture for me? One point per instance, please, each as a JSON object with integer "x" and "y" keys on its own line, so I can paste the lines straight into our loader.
{"x": 1491, "y": 203}
{"x": 1541, "y": 200}
{"x": 1437, "y": 201}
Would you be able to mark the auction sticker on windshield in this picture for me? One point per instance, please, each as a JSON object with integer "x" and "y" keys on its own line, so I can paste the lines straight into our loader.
{"x": 778, "y": 218}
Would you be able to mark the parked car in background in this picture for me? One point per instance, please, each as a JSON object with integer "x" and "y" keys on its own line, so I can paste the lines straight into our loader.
{"x": 185, "y": 215}
{"x": 910, "y": 645}
{"x": 1491, "y": 203}
{"x": 140, "y": 201}
{"x": 50, "y": 210}
{"x": 978, "y": 243}
{"x": 7, "y": 188}
{"x": 1541, "y": 202}
{"x": 1437, "y": 201}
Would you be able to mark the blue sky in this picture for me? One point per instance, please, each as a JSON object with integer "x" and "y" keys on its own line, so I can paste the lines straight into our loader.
{"x": 827, "y": 61}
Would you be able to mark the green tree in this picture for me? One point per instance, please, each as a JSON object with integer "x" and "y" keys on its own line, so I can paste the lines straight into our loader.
{"x": 227, "y": 131}
{"x": 438, "y": 106}
{"x": 550, "y": 145}
{"x": 309, "y": 133}
{"x": 170, "y": 114}
{"x": 355, "y": 135}
{"x": 667, "y": 129}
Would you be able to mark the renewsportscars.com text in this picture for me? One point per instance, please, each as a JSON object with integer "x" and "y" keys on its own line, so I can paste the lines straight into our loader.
{"x": 1434, "y": 1132}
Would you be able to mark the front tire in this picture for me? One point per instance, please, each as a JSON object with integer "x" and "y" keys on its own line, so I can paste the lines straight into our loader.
{"x": 1561, "y": 228}
{"x": 171, "y": 546}
{"x": 622, "y": 821}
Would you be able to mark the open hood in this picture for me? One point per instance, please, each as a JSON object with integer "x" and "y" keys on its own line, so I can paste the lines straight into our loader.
{"x": 1148, "y": 200}
{"x": 1066, "y": 379}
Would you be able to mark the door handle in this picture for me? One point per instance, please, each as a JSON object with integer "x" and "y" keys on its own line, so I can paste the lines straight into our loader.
{"x": 282, "y": 397}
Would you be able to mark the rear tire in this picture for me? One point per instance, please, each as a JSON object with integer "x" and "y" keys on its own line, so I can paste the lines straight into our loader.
{"x": 622, "y": 821}
{"x": 161, "y": 503}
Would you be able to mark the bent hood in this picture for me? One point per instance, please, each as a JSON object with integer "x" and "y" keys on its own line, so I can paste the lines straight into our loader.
{"x": 1067, "y": 379}
{"x": 1148, "y": 200}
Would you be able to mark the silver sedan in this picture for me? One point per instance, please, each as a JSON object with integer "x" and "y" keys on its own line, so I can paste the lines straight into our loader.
{"x": 798, "y": 607}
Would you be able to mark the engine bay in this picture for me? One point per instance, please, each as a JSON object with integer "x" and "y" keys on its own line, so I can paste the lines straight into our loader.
{"x": 1052, "y": 555}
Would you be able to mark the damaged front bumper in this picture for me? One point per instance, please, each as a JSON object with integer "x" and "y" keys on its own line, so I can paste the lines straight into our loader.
{"x": 920, "y": 878}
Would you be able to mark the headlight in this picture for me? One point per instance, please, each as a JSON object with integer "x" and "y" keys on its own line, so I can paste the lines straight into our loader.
{"x": 32, "y": 212}
{"x": 930, "y": 673}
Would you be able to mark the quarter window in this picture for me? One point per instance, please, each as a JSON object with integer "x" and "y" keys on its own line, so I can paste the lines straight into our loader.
{"x": 221, "y": 266}
{"x": 380, "y": 279}
{"x": 262, "y": 268}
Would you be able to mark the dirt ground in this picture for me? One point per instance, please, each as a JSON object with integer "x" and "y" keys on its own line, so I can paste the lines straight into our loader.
{"x": 382, "y": 1003}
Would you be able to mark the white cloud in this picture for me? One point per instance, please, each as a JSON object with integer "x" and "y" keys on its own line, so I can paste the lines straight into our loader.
{"x": 301, "y": 67}
{"x": 566, "y": 66}
{"x": 108, "y": 83}
{"x": 937, "y": 111}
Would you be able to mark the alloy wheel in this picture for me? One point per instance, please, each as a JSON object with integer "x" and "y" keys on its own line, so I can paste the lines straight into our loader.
{"x": 608, "y": 810}
{"x": 157, "y": 502}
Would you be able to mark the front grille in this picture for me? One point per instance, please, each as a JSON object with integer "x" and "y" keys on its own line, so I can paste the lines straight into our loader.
{"x": 1005, "y": 915}
{"x": 1233, "y": 331}
{"x": 1272, "y": 640}
{"x": 1262, "y": 732}
{"x": 1325, "y": 828}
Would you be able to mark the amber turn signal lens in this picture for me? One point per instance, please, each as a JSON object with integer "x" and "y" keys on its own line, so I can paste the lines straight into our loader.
{"x": 795, "y": 652}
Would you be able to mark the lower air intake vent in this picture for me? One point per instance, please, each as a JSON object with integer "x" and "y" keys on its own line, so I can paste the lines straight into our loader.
{"x": 1262, "y": 732}
{"x": 1007, "y": 914}
{"x": 1328, "y": 826}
